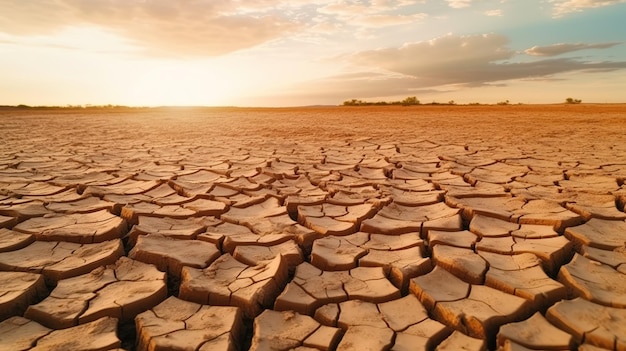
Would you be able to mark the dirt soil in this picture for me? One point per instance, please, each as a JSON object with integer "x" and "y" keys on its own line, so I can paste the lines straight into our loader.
{"x": 315, "y": 228}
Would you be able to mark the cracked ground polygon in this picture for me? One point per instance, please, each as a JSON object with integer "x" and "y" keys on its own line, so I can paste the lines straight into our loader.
{"x": 179, "y": 324}
{"x": 120, "y": 290}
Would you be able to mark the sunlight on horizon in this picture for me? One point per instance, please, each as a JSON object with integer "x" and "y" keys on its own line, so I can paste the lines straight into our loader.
{"x": 172, "y": 84}
{"x": 126, "y": 75}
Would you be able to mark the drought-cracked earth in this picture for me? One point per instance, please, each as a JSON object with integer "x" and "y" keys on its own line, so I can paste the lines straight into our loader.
{"x": 422, "y": 228}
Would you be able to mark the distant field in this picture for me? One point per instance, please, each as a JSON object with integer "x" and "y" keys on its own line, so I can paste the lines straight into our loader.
{"x": 521, "y": 124}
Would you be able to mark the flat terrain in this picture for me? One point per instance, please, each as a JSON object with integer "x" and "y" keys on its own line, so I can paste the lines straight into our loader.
{"x": 321, "y": 228}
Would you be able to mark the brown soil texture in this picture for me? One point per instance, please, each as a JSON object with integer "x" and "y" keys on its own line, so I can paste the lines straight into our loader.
{"x": 430, "y": 227}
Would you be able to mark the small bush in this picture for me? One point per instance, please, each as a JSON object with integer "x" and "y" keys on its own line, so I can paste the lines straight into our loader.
{"x": 569, "y": 100}
{"x": 410, "y": 101}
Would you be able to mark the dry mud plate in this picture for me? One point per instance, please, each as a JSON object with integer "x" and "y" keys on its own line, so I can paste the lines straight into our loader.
{"x": 421, "y": 228}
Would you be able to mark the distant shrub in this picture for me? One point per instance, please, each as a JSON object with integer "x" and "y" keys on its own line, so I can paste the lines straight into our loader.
{"x": 412, "y": 100}
{"x": 569, "y": 100}
{"x": 506, "y": 102}
{"x": 353, "y": 102}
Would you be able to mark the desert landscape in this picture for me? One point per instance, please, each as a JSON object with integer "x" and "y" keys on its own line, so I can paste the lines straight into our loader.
{"x": 320, "y": 228}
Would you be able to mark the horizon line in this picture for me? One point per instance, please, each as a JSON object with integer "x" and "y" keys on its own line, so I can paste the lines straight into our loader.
{"x": 434, "y": 103}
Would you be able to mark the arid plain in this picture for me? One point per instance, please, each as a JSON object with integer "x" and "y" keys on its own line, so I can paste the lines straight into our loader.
{"x": 320, "y": 228}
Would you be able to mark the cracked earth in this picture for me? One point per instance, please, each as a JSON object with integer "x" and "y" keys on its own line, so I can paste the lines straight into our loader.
{"x": 427, "y": 228}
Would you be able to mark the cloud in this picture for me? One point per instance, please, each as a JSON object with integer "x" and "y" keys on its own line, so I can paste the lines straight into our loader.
{"x": 362, "y": 85}
{"x": 563, "y": 7}
{"x": 200, "y": 28}
{"x": 372, "y": 13}
{"x": 391, "y": 4}
{"x": 383, "y": 20}
{"x": 354, "y": 7}
{"x": 493, "y": 13}
{"x": 563, "y": 48}
{"x": 467, "y": 60}
{"x": 325, "y": 27}
{"x": 184, "y": 28}
{"x": 438, "y": 60}
{"x": 459, "y": 4}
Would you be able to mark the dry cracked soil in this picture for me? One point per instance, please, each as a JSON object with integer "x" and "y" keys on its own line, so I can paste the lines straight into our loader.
{"x": 322, "y": 228}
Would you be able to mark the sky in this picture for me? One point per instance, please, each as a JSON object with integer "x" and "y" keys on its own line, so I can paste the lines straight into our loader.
{"x": 317, "y": 52}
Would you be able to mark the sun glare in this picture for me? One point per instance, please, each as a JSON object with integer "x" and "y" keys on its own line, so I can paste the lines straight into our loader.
{"x": 177, "y": 84}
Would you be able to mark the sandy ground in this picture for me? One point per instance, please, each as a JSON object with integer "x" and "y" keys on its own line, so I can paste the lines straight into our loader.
{"x": 320, "y": 228}
{"x": 453, "y": 124}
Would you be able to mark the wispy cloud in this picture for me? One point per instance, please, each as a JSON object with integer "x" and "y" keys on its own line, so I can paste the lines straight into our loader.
{"x": 354, "y": 7}
{"x": 384, "y": 20}
{"x": 563, "y": 7}
{"x": 204, "y": 27}
{"x": 443, "y": 60}
{"x": 459, "y": 4}
{"x": 358, "y": 85}
{"x": 189, "y": 28}
{"x": 371, "y": 14}
{"x": 563, "y": 48}
{"x": 493, "y": 13}
{"x": 467, "y": 60}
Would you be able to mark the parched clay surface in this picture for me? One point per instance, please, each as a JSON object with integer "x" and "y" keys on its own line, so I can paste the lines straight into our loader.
{"x": 399, "y": 219}
{"x": 599, "y": 233}
{"x": 476, "y": 310}
{"x": 80, "y": 228}
{"x": 121, "y": 290}
{"x": 18, "y": 333}
{"x": 535, "y": 333}
{"x": 290, "y": 330}
{"x": 403, "y": 323}
{"x": 171, "y": 255}
{"x": 460, "y": 341}
{"x": 594, "y": 324}
{"x": 11, "y": 240}
{"x": 594, "y": 281}
{"x": 401, "y": 256}
{"x": 18, "y": 291}
{"x": 332, "y": 219}
{"x": 228, "y": 282}
{"x": 312, "y": 287}
{"x": 176, "y": 324}
{"x": 382, "y": 228}
{"x": 257, "y": 254}
{"x": 58, "y": 260}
